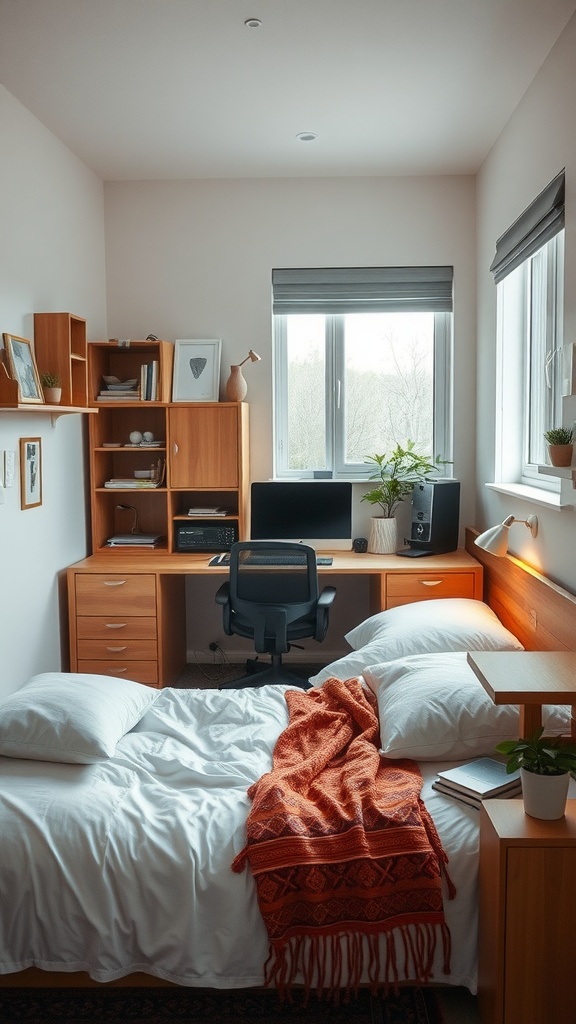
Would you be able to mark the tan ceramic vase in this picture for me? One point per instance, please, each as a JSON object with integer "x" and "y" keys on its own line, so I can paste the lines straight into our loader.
{"x": 236, "y": 386}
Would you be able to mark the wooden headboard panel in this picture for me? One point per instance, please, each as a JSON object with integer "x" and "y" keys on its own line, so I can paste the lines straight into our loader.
{"x": 540, "y": 613}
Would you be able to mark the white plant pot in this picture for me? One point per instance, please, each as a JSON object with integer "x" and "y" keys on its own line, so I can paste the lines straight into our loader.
{"x": 545, "y": 795}
{"x": 52, "y": 396}
{"x": 383, "y": 538}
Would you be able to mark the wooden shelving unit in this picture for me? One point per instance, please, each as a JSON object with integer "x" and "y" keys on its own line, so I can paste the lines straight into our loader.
{"x": 59, "y": 347}
{"x": 204, "y": 448}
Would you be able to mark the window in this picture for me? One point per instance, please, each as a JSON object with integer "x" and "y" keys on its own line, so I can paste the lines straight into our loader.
{"x": 529, "y": 271}
{"x": 362, "y": 362}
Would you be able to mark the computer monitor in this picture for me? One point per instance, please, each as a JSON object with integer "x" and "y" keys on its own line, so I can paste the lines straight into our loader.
{"x": 314, "y": 512}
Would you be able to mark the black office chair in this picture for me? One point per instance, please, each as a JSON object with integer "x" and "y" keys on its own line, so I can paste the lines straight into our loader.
{"x": 272, "y": 598}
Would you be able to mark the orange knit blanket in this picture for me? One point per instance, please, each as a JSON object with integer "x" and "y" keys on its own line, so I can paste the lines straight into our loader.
{"x": 346, "y": 858}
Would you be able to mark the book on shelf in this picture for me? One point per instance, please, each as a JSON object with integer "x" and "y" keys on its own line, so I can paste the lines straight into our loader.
{"x": 134, "y": 540}
{"x": 207, "y": 512}
{"x": 478, "y": 780}
{"x": 155, "y": 478}
{"x": 149, "y": 381}
{"x": 118, "y": 396}
{"x": 120, "y": 483}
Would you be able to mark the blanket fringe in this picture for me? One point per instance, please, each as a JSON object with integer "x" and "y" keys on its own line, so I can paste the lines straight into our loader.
{"x": 332, "y": 965}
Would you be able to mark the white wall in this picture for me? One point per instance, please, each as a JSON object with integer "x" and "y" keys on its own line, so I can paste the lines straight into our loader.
{"x": 538, "y": 141}
{"x": 194, "y": 258}
{"x": 51, "y": 259}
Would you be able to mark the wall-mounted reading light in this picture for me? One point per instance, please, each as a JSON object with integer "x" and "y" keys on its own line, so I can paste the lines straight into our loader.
{"x": 495, "y": 540}
{"x": 130, "y": 508}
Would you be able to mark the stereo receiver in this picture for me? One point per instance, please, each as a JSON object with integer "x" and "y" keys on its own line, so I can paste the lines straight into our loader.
{"x": 208, "y": 537}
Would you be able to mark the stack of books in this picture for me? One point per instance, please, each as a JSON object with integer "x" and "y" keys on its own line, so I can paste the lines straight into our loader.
{"x": 134, "y": 540}
{"x": 149, "y": 381}
{"x": 115, "y": 390}
{"x": 477, "y": 781}
{"x": 154, "y": 479}
{"x": 211, "y": 511}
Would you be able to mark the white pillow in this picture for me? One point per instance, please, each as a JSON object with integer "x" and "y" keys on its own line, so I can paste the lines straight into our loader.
{"x": 433, "y": 707}
{"x": 71, "y": 717}
{"x": 446, "y": 624}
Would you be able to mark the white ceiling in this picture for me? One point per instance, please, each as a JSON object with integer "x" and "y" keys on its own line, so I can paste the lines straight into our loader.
{"x": 145, "y": 89}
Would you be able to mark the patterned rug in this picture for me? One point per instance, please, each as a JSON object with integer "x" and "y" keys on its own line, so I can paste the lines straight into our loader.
{"x": 206, "y": 1006}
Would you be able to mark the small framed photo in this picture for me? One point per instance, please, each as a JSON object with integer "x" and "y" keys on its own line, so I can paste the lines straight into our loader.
{"x": 30, "y": 472}
{"x": 196, "y": 370}
{"x": 22, "y": 366}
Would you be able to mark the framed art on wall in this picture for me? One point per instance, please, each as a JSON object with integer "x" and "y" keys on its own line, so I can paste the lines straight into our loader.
{"x": 30, "y": 472}
{"x": 196, "y": 370}
{"x": 22, "y": 366}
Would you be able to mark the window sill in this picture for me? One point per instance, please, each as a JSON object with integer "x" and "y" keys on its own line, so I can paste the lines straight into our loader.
{"x": 564, "y": 472}
{"x": 533, "y": 494}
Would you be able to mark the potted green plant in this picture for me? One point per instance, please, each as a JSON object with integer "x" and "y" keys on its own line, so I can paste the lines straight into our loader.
{"x": 396, "y": 473}
{"x": 560, "y": 445}
{"x": 546, "y": 764}
{"x": 52, "y": 387}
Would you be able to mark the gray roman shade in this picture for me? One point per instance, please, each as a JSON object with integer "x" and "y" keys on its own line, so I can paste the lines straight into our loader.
{"x": 362, "y": 290}
{"x": 540, "y": 221}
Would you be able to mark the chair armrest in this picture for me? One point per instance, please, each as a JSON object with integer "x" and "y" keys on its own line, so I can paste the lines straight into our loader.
{"x": 222, "y": 594}
{"x": 322, "y": 612}
{"x": 327, "y": 596}
{"x": 222, "y": 597}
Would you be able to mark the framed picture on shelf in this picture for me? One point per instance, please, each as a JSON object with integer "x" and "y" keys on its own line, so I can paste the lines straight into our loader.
{"x": 22, "y": 366}
{"x": 30, "y": 472}
{"x": 196, "y": 375}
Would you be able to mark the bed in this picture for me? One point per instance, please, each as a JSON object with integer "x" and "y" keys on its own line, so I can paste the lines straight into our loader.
{"x": 116, "y": 851}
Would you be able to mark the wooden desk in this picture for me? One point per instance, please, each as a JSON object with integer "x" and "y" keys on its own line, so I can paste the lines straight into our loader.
{"x": 127, "y": 614}
{"x": 530, "y": 679}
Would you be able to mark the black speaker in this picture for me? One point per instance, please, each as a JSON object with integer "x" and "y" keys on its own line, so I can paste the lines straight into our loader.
{"x": 435, "y": 516}
{"x": 360, "y": 545}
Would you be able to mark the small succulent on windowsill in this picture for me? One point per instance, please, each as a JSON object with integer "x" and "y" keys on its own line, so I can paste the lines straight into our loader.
{"x": 51, "y": 380}
{"x": 559, "y": 435}
{"x": 541, "y": 755}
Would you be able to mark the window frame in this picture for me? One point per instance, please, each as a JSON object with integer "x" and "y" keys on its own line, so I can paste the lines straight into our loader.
{"x": 335, "y": 397}
{"x": 526, "y": 359}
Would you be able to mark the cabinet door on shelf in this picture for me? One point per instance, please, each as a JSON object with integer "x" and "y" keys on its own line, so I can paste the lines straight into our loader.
{"x": 203, "y": 446}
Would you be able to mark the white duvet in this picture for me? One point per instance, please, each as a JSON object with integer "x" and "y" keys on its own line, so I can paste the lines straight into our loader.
{"x": 124, "y": 866}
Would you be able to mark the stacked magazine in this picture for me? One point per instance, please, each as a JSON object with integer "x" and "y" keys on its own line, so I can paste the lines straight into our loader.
{"x": 477, "y": 781}
{"x": 115, "y": 390}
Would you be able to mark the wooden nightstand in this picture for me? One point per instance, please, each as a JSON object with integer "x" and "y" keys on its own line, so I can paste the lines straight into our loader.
{"x": 529, "y": 679}
{"x": 527, "y": 914}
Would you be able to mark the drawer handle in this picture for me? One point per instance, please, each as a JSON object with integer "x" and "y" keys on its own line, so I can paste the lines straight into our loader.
{"x": 117, "y": 650}
{"x": 117, "y": 671}
{"x": 430, "y": 583}
{"x": 113, "y": 583}
{"x": 116, "y": 625}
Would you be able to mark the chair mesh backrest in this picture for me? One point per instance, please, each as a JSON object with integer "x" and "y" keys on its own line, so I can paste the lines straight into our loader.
{"x": 293, "y": 587}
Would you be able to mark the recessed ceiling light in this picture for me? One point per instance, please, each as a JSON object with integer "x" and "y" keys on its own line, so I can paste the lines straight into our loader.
{"x": 253, "y": 23}
{"x": 306, "y": 136}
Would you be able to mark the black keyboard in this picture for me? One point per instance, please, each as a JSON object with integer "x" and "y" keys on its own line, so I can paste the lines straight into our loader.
{"x": 272, "y": 560}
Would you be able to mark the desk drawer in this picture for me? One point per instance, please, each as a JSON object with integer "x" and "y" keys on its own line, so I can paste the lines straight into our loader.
{"x": 118, "y": 649}
{"x": 402, "y": 588}
{"x": 115, "y": 594}
{"x": 140, "y": 671}
{"x": 116, "y": 628}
